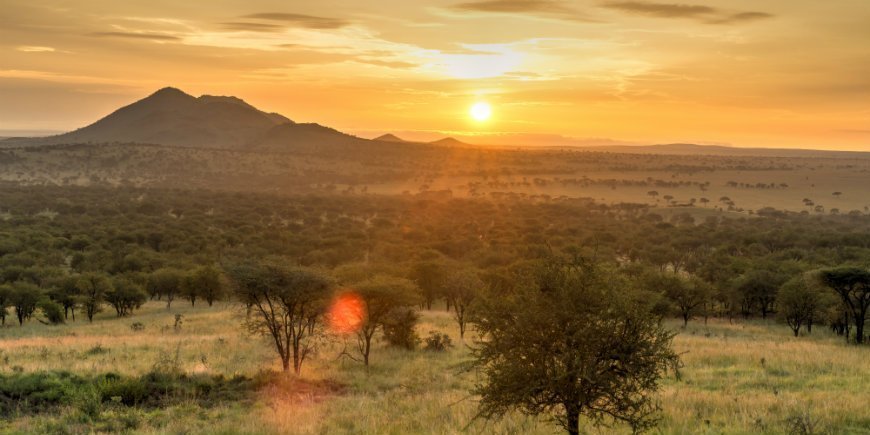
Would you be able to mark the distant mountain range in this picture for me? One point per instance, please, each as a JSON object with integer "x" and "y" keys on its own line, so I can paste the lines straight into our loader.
{"x": 174, "y": 118}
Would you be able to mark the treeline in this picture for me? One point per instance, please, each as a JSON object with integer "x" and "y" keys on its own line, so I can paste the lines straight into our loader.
{"x": 119, "y": 244}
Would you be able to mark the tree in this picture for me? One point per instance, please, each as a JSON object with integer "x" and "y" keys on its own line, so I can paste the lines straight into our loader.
{"x": 798, "y": 303}
{"x": 204, "y": 282}
{"x": 428, "y": 276}
{"x": 461, "y": 287}
{"x": 852, "y": 284}
{"x": 93, "y": 287}
{"x": 286, "y": 303}
{"x": 165, "y": 283}
{"x": 25, "y": 299}
{"x": 5, "y": 301}
{"x": 52, "y": 311}
{"x": 125, "y": 296}
{"x": 579, "y": 342}
{"x": 759, "y": 288}
{"x": 688, "y": 295}
{"x": 66, "y": 293}
{"x": 381, "y": 296}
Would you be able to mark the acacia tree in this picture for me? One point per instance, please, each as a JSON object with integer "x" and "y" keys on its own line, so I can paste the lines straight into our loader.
{"x": 428, "y": 275}
{"x": 852, "y": 284}
{"x": 688, "y": 295}
{"x": 125, "y": 296}
{"x": 461, "y": 287}
{"x": 5, "y": 301}
{"x": 25, "y": 299}
{"x": 204, "y": 282}
{"x": 799, "y": 302}
{"x": 382, "y": 296}
{"x": 165, "y": 283}
{"x": 285, "y": 303}
{"x": 93, "y": 287}
{"x": 577, "y": 343}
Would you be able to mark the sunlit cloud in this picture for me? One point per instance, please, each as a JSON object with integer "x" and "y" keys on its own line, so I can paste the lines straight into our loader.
{"x": 34, "y": 49}
{"x": 484, "y": 61}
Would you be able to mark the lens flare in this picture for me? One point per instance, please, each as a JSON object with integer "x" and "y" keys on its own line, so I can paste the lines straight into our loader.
{"x": 346, "y": 313}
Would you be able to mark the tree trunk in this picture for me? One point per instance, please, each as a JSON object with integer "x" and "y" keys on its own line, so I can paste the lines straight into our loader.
{"x": 572, "y": 418}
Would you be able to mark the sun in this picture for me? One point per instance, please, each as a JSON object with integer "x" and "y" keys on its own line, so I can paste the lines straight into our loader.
{"x": 481, "y": 111}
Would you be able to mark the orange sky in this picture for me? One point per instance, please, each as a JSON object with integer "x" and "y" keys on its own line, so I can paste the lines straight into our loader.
{"x": 749, "y": 73}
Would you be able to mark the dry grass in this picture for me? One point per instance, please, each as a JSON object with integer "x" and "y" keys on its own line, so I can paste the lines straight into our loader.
{"x": 740, "y": 378}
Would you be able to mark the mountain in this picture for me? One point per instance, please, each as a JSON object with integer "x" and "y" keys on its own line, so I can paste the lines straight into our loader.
{"x": 719, "y": 150}
{"x": 389, "y": 138}
{"x": 450, "y": 142}
{"x": 172, "y": 117}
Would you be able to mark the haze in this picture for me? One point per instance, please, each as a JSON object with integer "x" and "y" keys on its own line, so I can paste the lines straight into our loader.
{"x": 764, "y": 74}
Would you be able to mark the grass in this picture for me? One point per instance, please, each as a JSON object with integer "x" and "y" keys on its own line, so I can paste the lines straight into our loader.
{"x": 737, "y": 378}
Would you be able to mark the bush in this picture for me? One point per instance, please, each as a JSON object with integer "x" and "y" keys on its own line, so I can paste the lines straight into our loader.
{"x": 399, "y": 328}
{"x": 52, "y": 311}
{"x": 438, "y": 341}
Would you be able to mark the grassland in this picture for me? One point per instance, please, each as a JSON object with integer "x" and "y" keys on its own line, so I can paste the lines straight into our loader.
{"x": 737, "y": 378}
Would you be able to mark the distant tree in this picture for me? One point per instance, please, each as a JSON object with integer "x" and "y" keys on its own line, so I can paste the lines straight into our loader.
{"x": 286, "y": 304}
{"x": 852, "y": 284}
{"x": 382, "y": 296}
{"x": 52, "y": 311}
{"x": 704, "y": 201}
{"x": 579, "y": 342}
{"x": 165, "y": 283}
{"x": 204, "y": 282}
{"x": 688, "y": 296}
{"x": 125, "y": 296}
{"x": 65, "y": 292}
{"x": 800, "y": 302}
{"x": 668, "y": 198}
{"x": 25, "y": 299}
{"x": 428, "y": 276}
{"x": 759, "y": 288}
{"x": 837, "y": 194}
{"x": 93, "y": 287}
{"x": 461, "y": 287}
{"x": 5, "y": 301}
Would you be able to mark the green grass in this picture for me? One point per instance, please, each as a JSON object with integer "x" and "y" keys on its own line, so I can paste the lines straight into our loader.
{"x": 724, "y": 385}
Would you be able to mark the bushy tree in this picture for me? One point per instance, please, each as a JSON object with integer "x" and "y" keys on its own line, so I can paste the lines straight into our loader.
{"x": 286, "y": 304}
{"x": 5, "y": 301}
{"x": 852, "y": 284}
{"x": 461, "y": 287}
{"x": 93, "y": 287}
{"x": 579, "y": 342}
{"x": 165, "y": 283}
{"x": 24, "y": 298}
{"x": 125, "y": 296}
{"x": 52, "y": 311}
{"x": 688, "y": 295}
{"x": 382, "y": 296}
{"x": 799, "y": 302}
{"x": 204, "y": 282}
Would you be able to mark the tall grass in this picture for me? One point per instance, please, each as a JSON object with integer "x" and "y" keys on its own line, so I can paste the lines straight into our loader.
{"x": 740, "y": 378}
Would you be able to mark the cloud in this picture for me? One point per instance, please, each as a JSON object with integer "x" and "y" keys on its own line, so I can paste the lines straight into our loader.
{"x": 552, "y": 8}
{"x": 387, "y": 63}
{"x": 301, "y": 20}
{"x": 131, "y": 35}
{"x": 742, "y": 17}
{"x": 238, "y": 26}
{"x": 34, "y": 49}
{"x": 703, "y": 13}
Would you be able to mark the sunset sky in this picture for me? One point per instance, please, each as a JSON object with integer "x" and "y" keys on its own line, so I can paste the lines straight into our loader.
{"x": 785, "y": 73}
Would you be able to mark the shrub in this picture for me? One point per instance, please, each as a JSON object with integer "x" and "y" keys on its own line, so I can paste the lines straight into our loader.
{"x": 438, "y": 341}
{"x": 399, "y": 328}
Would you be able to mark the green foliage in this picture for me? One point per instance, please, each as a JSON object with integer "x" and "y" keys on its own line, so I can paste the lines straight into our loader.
{"x": 52, "y": 311}
{"x": 125, "y": 296}
{"x": 93, "y": 288}
{"x": 204, "y": 282}
{"x": 577, "y": 343}
{"x": 25, "y": 299}
{"x": 285, "y": 303}
{"x": 399, "y": 328}
{"x": 438, "y": 342}
{"x": 852, "y": 284}
{"x": 382, "y": 296}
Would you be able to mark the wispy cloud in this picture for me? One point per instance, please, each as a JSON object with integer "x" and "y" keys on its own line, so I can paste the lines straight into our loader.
{"x": 34, "y": 49}
{"x": 547, "y": 8}
{"x": 136, "y": 35}
{"x": 706, "y": 14}
{"x": 307, "y": 21}
{"x": 238, "y": 26}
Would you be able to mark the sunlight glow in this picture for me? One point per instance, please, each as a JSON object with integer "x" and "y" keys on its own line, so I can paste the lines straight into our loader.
{"x": 481, "y": 111}
{"x": 346, "y": 313}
